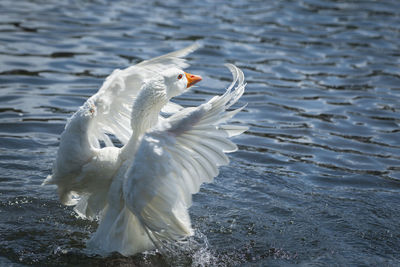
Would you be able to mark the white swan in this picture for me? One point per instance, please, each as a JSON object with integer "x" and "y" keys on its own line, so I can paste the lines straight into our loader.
{"x": 141, "y": 192}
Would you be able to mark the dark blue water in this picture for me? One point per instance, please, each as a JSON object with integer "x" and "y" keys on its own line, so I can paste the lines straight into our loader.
{"x": 316, "y": 181}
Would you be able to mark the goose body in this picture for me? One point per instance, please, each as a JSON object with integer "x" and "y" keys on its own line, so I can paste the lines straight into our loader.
{"x": 141, "y": 192}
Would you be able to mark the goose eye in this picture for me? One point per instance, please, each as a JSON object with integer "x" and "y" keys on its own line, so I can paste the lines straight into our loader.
{"x": 180, "y": 76}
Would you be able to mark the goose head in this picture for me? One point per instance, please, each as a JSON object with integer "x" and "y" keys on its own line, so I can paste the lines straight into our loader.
{"x": 177, "y": 81}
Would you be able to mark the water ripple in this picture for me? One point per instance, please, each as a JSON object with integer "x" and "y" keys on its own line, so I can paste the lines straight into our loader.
{"x": 316, "y": 179}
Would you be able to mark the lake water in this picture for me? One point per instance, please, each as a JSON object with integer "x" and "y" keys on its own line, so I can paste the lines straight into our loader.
{"x": 316, "y": 180}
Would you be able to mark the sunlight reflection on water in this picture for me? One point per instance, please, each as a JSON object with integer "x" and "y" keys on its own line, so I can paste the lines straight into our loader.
{"x": 316, "y": 180}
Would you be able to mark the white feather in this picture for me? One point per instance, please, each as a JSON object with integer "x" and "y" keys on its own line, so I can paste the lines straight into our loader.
{"x": 174, "y": 159}
{"x": 141, "y": 192}
{"x": 106, "y": 113}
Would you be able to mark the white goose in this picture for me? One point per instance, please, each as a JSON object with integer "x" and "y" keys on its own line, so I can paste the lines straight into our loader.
{"x": 142, "y": 191}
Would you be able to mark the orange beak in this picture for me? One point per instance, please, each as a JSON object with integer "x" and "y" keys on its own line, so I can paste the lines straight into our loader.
{"x": 192, "y": 79}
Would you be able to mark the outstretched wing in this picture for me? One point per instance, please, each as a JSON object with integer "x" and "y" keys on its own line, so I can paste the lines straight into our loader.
{"x": 170, "y": 60}
{"x": 112, "y": 104}
{"x": 176, "y": 157}
{"x": 83, "y": 174}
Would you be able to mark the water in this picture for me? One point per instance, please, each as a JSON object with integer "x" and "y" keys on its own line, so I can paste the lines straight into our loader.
{"x": 317, "y": 178}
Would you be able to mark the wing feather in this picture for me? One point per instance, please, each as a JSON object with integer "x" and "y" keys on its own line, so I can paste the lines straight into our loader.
{"x": 113, "y": 102}
{"x": 173, "y": 59}
{"x": 104, "y": 116}
{"x": 215, "y": 139}
{"x": 176, "y": 157}
{"x": 206, "y": 147}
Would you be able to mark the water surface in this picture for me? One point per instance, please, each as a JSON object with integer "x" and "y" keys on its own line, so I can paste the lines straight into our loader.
{"x": 317, "y": 178}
